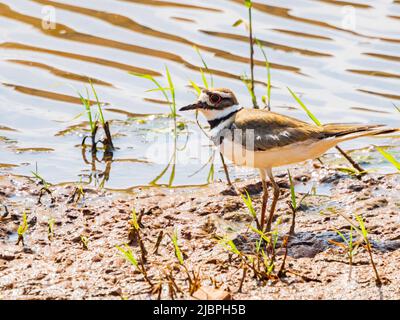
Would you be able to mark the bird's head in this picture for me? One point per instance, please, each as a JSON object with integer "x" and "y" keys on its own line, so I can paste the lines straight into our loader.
{"x": 216, "y": 99}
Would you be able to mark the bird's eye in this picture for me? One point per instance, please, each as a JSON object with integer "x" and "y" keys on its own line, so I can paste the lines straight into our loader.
{"x": 214, "y": 98}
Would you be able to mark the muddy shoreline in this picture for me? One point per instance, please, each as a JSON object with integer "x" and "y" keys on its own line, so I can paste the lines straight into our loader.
{"x": 58, "y": 266}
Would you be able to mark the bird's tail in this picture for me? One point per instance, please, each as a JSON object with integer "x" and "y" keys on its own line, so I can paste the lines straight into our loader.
{"x": 344, "y": 132}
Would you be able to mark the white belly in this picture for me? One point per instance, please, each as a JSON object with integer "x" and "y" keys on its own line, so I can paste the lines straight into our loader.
{"x": 293, "y": 153}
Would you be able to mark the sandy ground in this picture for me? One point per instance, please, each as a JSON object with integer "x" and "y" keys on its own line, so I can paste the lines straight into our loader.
{"x": 60, "y": 267}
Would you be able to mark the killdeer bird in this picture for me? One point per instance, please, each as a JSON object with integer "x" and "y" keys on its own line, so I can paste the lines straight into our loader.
{"x": 264, "y": 140}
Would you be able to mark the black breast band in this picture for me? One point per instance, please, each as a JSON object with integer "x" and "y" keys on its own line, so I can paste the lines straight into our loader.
{"x": 216, "y": 122}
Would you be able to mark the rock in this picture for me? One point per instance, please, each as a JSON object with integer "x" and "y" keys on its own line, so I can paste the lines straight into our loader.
{"x": 87, "y": 212}
{"x": 7, "y": 256}
{"x": 209, "y": 293}
{"x": 355, "y": 187}
{"x": 116, "y": 292}
{"x": 302, "y": 177}
{"x": 252, "y": 189}
{"x": 97, "y": 258}
{"x": 330, "y": 178}
{"x": 376, "y": 203}
{"x": 229, "y": 192}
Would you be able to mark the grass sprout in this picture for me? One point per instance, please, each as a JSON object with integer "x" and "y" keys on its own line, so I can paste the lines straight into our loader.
{"x": 249, "y": 204}
{"x": 360, "y": 228}
{"x": 349, "y": 245}
{"x": 364, "y": 233}
{"x": 50, "y": 229}
{"x": 85, "y": 242}
{"x": 22, "y": 229}
{"x": 45, "y": 186}
{"x": 178, "y": 252}
{"x": 94, "y": 119}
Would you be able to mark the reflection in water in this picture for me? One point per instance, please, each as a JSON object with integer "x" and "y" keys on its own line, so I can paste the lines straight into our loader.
{"x": 96, "y": 177}
{"x": 345, "y": 75}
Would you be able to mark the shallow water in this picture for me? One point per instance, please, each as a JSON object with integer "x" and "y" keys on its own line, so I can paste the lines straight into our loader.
{"x": 343, "y": 59}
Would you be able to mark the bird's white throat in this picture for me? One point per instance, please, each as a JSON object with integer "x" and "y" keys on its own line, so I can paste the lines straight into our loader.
{"x": 212, "y": 114}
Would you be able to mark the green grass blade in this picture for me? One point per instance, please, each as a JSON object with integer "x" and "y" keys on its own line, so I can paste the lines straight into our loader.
{"x": 172, "y": 175}
{"x": 237, "y": 23}
{"x": 128, "y": 255}
{"x": 309, "y": 113}
{"x": 178, "y": 252}
{"x": 158, "y": 89}
{"x": 206, "y": 67}
{"x": 196, "y": 87}
{"x": 247, "y": 83}
{"x": 86, "y": 104}
{"x": 292, "y": 192}
{"x": 24, "y": 225}
{"x": 342, "y": 236}
{"x": 389, "y": 157}
{"x": 172, "y": 90}
{"x": 203, "y": 77}
{"x": 134, "y": 220}
{"x": 249, "y": 204}
{"x": 152, "y": 79}
{"x": 267, "y": 66}
{"x": 229, "y": 245}
{"x": 210, "y": 177}
{"x": 98, "y": 104}
{"x": 262, "y": 234}
{"x": 364, "y": 231}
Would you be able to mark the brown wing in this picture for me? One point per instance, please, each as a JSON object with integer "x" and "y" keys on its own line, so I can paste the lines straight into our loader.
{"x": 273, "y": 130}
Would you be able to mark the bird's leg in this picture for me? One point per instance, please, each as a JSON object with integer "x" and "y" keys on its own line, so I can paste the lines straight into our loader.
{"x": 275, "y": 199}
{"x": 264, "y": 198}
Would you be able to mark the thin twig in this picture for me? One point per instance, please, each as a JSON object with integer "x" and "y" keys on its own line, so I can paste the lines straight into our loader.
{"x": 355, "y": 165}
{"x": 252, "y": 58}
{"x": 242, "y": 280}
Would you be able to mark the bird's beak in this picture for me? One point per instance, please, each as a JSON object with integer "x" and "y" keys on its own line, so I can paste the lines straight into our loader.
{"x": 189, "y": 107}
{"x": 194, "y": 106}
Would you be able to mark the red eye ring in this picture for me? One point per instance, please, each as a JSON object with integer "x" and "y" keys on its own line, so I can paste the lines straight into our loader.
{"x": 215, "y": 98}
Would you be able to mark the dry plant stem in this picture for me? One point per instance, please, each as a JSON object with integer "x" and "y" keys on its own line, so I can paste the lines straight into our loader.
{"x": 285, "y": 245}
{"x": 275, "y": 199}
{"x": 261, "y": 224}
{"x": 252, "y": 58}
{"x": 142, "y": 248}
{"x": 351, "y": 266}
{"x": 109, "y": 143}
{"x": 242, "y": 280}
{"x": 159, "y": 239}
{"x": 6, "y": 212}
{"x": 20, "y": 239}
{"x": 305, "y": 278}
{"x": 352, "y": 162}
{"x": 41, "y": 194}
{"x": 378, "y": 279}
{"x": 293, "y": 225}
{"x": 172, "y": 281}
{"x": 225, "y": 169}
{"x": 93, "y": 137}
{"x": 144, "y": 272}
